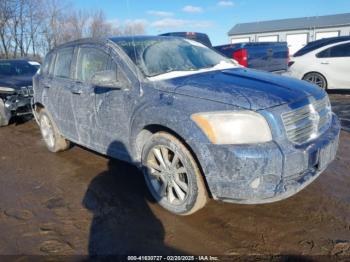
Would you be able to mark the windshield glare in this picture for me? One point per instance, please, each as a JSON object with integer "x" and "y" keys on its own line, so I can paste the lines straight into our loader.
{"x": 10, "y": 68}
{"x": 159, "y": 56}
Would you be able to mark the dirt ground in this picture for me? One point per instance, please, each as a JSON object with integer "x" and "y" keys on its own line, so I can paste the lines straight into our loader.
{"x": 79, "y": 203}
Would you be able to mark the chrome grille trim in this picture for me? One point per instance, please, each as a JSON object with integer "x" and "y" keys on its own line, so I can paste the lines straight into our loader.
{"x": 26, "y": 91}
{"x": 307, "y": 122}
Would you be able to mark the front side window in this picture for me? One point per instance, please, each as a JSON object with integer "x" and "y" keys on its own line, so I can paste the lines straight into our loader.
{"x": 90, "y": 61}
{"x": 336, "y": 51}
{"x": 63, "y": 62}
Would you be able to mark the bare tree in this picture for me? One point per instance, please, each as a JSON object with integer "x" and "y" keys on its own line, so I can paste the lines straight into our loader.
{"x": 54, "y": 23}
{"x": 6, "y": 13}
{"x": 35, "y": 17}
{"x": 33, "y": 27}
{"x": 99, "y": 27}
{"x": 75, "y": 25}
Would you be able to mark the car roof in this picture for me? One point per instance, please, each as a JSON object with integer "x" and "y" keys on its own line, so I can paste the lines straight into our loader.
{"x": 320, "y": 43}
{"x": 182, "y": 33}
{"x": 114, "y": 39}
{"x": 117, "y": 39}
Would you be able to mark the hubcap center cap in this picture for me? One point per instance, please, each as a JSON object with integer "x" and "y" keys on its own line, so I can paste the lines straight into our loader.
{"x": 168, "y": 175}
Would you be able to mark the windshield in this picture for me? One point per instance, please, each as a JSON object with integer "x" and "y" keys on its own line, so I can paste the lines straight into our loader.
{"x": 16, "y": 68}
{"x": 159, "y": 56}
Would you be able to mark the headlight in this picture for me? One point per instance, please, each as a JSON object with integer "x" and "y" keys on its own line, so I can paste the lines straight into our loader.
{"x": 7, "y": 90}
{"x": 239, "y": 127}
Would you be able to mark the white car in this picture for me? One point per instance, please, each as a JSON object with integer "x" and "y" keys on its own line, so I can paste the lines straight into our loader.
{"x": 324, "y": 62}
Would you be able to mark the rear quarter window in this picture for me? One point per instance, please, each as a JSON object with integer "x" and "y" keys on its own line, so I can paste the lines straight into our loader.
{"x": 63, "y": 62}
{"x": 46, "y": 66}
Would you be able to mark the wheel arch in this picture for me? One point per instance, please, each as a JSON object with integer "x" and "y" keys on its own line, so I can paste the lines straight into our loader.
{"x": 317, "y": 72}
{"x": 38, "y": 107}
{"x": 148, "y": 130}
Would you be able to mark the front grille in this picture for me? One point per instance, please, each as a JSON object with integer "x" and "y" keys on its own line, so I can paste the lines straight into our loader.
{"x": 307, "y": 122}
{"x": 26, "y": 91}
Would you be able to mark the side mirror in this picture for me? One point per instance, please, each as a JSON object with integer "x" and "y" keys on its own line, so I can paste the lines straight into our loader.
{"x": 107, "y": 78}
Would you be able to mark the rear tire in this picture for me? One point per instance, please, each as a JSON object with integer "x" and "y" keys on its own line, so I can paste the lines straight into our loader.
{"x": 172, "y": 175}
{"x": 317, "y": 79}
{"x": 54, "y": 141}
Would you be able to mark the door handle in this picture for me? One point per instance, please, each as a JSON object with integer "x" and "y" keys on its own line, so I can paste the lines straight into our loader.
{"x": 77, "y": 91}
{"x": 325, "y": 63}
{"x": 46, "y": 86}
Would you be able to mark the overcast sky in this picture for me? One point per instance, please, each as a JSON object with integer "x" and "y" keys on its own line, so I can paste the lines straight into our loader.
{"x": 213, "y": 17}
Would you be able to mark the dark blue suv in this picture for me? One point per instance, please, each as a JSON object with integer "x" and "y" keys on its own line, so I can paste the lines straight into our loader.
{"x": 195, "y": 122}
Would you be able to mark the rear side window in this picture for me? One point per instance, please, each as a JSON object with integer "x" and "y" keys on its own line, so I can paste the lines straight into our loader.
{"x": 47, "y": 63}
{"x": 90, "y": 61}
{"x": 336, "y": 51}
{"x": 63, "y": 62}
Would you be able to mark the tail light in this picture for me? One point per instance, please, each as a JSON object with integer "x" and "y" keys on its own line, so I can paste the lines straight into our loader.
{"x": 241, "y": 56}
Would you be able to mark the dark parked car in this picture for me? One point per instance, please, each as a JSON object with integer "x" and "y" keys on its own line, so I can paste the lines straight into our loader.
{"x": 196, "y": 123}
{"x": 15, "y": 88}
{"x": 266, "y": 56}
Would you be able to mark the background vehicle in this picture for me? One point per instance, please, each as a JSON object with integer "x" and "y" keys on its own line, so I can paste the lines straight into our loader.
{"x": 266, "y": 56}
{"x": 15, "y": 88}
{"x": 324, "y": 62}
{"x": 199, "y": 37}
{"x": 188, "y": 117}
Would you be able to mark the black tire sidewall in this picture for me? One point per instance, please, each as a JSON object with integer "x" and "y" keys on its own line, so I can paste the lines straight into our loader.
{"x": 174, "y": 145}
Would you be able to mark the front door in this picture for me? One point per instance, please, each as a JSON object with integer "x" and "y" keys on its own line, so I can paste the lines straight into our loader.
{"x": 101, "y": 112}
{"x": 339, "y": 64}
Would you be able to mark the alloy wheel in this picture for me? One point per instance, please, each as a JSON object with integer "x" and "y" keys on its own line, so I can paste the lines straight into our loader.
{"x": 316, "y": 79}
{"x": 168, "y": 175}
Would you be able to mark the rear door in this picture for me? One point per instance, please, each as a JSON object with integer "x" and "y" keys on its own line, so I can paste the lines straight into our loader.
{"x": 335, "y": 64}
{"x": 57, "y": 92}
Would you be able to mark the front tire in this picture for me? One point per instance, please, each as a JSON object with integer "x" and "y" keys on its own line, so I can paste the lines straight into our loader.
{"x": 317, "y": 79}
{"x": 172, "y": 175}
{"x": 54, "y": 141}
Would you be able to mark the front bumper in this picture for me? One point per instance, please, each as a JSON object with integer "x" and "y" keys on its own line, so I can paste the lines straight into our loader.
{"x": 18, "y": 105}
{"x": 267, "y": 172}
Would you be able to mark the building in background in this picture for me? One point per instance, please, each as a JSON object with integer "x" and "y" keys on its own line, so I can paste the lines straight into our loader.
{"x": 296, "y": 31}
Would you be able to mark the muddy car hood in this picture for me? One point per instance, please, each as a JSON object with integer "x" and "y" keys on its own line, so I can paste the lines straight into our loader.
{"x": 16, "y": 81}
{"x": 249, "y": 89}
